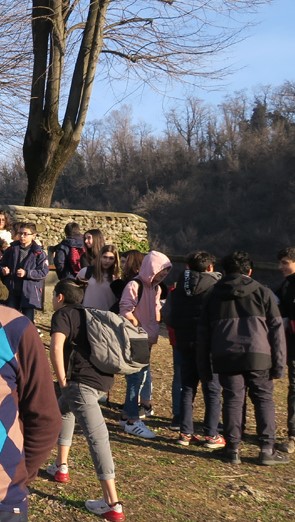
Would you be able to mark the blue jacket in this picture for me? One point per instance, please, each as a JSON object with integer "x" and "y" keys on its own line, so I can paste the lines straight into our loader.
{"x": 36, "y": 267}
{"x": 62, "y": 256}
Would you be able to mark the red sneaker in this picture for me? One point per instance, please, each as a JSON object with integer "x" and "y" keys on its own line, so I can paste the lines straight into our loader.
{"x": 60, "y": 473}
{"x": 185, "y": 439}
{"x": 102, "y": 509}
{"x": 214, "y": 442}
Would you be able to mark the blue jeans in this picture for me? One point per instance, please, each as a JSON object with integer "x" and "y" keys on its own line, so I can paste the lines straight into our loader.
{"x": 135, "y": 382}
{"x": 5, "y": 516}
{"x": 14, "y": 301}
{"x": 146, "y": 389}
{"x": 260, "y": 389}
{"x": 176, "y": 382}
{"x": 211, "y": 393}
{"x": 81, "y": 402}
{"x": 291, "y": 398}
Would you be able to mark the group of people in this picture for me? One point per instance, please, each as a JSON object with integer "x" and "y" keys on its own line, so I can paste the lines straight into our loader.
{"x": 228, "y": 334}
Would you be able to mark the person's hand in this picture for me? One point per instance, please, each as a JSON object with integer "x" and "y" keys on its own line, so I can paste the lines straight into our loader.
{"x": 21, "y": 272}
{"x": 5, "y": 270}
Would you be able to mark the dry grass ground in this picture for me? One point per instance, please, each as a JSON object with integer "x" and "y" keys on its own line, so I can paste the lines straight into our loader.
{"x": 159, "y": 480}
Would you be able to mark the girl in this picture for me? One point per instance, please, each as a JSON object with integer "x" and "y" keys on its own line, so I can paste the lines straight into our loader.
{"x": 5, "y": 226}
{"x": 98, "y": 293}
{"x": 93, "y": 242}
{"x": 146, "y": 313}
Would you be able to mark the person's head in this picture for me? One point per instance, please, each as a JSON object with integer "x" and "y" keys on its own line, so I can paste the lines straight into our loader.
{"x": 133, "y": 260}
{"x": 72, "y": 229}
{"x": 286, "y": 258}
{"x": 27, "y": 234}
{"x": 237, "y": 262}
{"x": 200, "y": 261}
{"x": 67, "y": 292}
{"x": 15, "y": 230}
{"x": 4, "y": 220}
{"x": 107, "y": 263}
{"x": 93, "y": 241}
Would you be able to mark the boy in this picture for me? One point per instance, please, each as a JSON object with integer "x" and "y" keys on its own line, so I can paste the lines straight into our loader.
{"x": 81, "y": 385}
{"x": 68, "y": 252}
{"x": 24, "y": 266}
{"x": 187, "y": 300}
{"x": 241, "y": 333}
{"x": 286, "y": 295}
{"x": 29, "y": 413}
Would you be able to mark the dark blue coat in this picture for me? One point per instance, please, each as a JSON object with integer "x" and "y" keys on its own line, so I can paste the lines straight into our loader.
{"x": 36, "y": 267}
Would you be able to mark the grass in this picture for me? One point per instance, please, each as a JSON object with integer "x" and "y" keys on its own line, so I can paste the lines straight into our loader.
{"x": 159, "y": 480}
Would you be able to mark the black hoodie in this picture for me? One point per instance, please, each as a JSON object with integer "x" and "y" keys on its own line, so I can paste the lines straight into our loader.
{"x": 242, "y": 328}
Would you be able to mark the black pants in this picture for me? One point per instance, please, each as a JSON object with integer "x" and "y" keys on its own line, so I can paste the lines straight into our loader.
{"x": 13, "y": 517}
{"x": 260, "y": 388}
{"x": 291, "y": 398}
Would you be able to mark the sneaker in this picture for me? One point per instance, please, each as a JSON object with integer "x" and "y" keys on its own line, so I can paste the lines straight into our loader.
{"x": 140, "y": 429}
{"x": 185, "y": 439}
{"x": 214, "y": 442}
{"x": 232, "y": 456}
{"x": 288, "y": 446}
{"x": 266, "y": 459}
{"x": 102, "y": 509}
{"x": 145, "y": 411}
{"x": 60, "y": 473}
{"x": 175, "y": 424}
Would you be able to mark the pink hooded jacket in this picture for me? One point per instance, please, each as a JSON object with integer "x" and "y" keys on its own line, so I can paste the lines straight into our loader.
{"x": 146, "y": 310}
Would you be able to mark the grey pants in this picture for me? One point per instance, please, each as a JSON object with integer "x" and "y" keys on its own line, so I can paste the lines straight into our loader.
{"x": 81, "y": 402}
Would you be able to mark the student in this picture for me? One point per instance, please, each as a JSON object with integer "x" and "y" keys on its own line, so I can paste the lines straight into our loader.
{"x": 93, "y": 243}
{"x": 81, "y": 386}
{"x": 241, "y": 332}
{"x": 130, "y": 269}
{"x": 187, "y": 300}
{"x": 98, "y": 293}
{"x": 30, "y": 417}
{"x": 286, "y": 295}
{"x": 24, "y": 266}
{"x": 5, "y": 226}
{"x": 68, "y": 252}
{"x": 146, "y": 313}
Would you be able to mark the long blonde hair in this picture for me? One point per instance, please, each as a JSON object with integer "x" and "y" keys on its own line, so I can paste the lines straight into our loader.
{"x": 113, "y": 271}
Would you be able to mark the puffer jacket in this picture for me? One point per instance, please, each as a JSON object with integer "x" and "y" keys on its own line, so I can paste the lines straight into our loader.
{"x": 147, "y": 309}
{"x": 36, "y": 267}
{"x": 187, "y": 301}
{"x": 241, "y": 329}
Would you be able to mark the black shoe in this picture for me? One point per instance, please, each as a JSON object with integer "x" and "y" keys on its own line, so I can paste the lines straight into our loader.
{"x": 266, "y": 459}
{"x": 231, "y": 456}
{"x": 175, "y": 424}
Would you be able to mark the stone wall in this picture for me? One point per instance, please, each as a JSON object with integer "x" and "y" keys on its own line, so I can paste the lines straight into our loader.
{"x": 50, "y": 223}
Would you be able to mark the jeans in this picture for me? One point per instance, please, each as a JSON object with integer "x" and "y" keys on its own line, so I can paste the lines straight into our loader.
{"x": 260, "y": 389}
{"x": 291, "y": 398}
{"x": 135, "y": 382}
{"x": 176, "y": 382}
{"x": 14, "y": 301}
{"x": 146, "y": 388}
{"x": 212, "y": 397}
{"x": 81, "y": 402}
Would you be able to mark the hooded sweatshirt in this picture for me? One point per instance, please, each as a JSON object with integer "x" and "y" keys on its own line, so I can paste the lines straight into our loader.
{"x": 187, "y": 301}
{"x": 242, "y": 328}
{"x": 148, "y": 307}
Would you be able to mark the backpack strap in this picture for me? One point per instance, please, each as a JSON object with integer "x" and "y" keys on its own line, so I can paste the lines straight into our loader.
{"x": 140, "y": 288}
{"x": 89, "y": 272}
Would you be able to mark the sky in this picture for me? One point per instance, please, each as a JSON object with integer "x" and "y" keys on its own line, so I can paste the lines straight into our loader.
{"x": 265, "y": 57}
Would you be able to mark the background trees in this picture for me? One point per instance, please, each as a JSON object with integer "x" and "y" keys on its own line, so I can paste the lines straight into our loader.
{"x": 162, "y": 37}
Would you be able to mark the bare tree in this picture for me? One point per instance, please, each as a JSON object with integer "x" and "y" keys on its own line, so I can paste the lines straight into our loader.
{"x": 180, "y": 38}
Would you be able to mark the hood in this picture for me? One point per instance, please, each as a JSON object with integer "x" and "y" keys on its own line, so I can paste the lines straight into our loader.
{"x": 235, "y": 286}
{"x": 194, "y": 283}
{"x": 152, "y": 264}
{"x": 76, "y": 241}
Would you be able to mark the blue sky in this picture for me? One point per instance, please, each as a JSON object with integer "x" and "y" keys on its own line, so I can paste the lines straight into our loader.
{"x": 265, "y": 57}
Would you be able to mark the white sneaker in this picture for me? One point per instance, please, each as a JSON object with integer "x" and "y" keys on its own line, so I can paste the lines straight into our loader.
{"x": 139, "y": 429}
{"x": 101, "y": 508}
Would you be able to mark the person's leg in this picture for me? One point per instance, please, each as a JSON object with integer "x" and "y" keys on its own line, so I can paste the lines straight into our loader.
{"x": 261, "y": 394}
{"x": 29, "y": 313}
{"x": 146, "y": 388}
{"x": 189, "y": 380}
{"x": 212, "y": 400}
{"x": 13, "y": 301}
{"x": 291, "y": 398}
{"x": 233, "y": 399}
{"x": 133, "y": 382}
{"x": 176, "y": 382}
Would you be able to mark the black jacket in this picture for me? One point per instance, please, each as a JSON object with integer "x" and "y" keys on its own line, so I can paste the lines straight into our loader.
{"x": 62, "y": 256}
{"x": 241, "y": 329}
{"x": 187, "y": 301}
{"x": 286, "y": 295}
